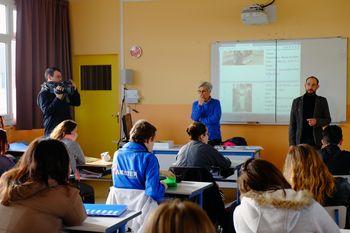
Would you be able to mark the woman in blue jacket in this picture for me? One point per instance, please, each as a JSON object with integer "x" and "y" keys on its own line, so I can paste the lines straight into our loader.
{"x": 135, "y": 166}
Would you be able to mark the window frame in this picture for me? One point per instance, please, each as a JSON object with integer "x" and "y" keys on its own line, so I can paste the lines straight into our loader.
{"x": 9, "y": 118}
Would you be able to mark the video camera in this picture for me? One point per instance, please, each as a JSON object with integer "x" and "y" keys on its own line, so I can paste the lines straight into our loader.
{"x": 67, "y": 87}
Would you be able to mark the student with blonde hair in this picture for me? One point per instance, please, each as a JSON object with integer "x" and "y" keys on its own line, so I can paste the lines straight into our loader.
{"x": 268, "y": 204}
{"x": 305, "y": 170}
{"x": 35, "y": 196}
{"x": 179, "y": 217}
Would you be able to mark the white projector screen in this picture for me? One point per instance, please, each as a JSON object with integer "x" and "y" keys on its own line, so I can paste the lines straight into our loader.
{"x": 256, "y": 81}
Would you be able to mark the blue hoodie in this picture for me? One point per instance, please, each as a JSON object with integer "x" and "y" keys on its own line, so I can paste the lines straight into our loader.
{"x": 136, "y": 168}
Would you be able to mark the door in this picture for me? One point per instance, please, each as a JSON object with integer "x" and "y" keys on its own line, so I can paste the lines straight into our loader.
{"x": 98, "y": 128}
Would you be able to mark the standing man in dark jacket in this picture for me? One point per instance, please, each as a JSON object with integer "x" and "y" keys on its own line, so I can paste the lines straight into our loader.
{"x": 55, "y": 99}
{"x": 308, "y": 115}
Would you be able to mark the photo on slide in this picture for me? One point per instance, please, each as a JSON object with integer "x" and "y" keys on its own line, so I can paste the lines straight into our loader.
{"x": 242, "y": 97}
{"x": 243, "y": 57}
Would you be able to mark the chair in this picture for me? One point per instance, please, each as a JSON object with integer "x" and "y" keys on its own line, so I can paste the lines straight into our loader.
{"x": 127, "y": 125}
{"x": 338, "y": 214}
{"x": 135, "y": 199}
{"x": 192, "y": 174}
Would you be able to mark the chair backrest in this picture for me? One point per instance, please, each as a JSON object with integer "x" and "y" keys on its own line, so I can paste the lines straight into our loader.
{"x": 192, "y": 174}
{"x": 338, "y": 214}
{"x": 127, "y": 125}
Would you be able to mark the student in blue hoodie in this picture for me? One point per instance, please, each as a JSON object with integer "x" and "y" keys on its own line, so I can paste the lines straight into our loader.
{"x": 135, "y": 166}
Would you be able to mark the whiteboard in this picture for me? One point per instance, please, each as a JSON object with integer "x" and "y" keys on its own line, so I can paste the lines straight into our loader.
{"x": 256, "y": 81}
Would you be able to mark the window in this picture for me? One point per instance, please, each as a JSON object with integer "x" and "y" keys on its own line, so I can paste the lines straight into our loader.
{"x": 7, "y": 60}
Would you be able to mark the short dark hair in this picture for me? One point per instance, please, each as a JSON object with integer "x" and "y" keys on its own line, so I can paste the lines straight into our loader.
{"x": 142, "y": 131}
{"x": 317, "y": 81}
{"x": 260, "y": 175}
{"x": 332, "y": 134}
{"x": 50, "y": 71}
{"x": 195, "y": 130}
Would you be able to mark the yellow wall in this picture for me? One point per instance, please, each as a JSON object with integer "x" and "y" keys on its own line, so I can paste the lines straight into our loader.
{"x": 94, "y": 26}
{"x": 176, "y": 36}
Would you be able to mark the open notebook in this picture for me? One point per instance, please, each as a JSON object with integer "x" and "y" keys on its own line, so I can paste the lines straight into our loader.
{"x": 105, "y": 210}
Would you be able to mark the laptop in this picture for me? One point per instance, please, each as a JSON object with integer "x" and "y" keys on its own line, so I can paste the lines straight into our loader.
{"x": 104, "y": 210}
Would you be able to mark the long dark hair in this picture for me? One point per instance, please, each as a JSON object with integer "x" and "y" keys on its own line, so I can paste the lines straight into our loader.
{"x": 260, "y": 175}
{"x": 44, "y": 159}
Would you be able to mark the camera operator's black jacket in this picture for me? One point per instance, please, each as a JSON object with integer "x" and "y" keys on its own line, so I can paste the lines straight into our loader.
{"x": 55, "y": 110}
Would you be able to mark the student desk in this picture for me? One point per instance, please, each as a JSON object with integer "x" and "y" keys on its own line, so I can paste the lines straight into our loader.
{"x": 237, "y": 155}
{"x": 190, "y": 189}
{"x": 99, "y": 169}
{"x": 105, "y": 224}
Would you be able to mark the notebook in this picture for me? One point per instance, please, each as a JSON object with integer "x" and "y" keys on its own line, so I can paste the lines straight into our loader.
{"x": 104, "y": 210}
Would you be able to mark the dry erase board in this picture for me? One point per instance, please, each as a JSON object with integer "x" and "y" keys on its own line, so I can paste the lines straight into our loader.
{"x": 256, "y": 81}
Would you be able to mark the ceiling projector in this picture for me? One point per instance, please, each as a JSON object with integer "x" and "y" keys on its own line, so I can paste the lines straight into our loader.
{"x": 254, "y": 14}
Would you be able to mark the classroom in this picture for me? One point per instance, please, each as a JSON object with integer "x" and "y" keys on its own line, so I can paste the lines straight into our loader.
{"x": 176, "y": 39}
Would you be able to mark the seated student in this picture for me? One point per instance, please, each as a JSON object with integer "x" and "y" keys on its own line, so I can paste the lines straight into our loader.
{"x": 136, "y": 175}
{"x": 135, "y": 166}
{"x": 7, "y": 161}
{"x": 35, "y": 196}
{"x": 197, "y": 153}
{"x": 66, "y": 132}
{"x": 179, "y": 217}
{"x": 305, "y": 170}
{"x": 337, "y": 160}
{"x": 268, "y": 204}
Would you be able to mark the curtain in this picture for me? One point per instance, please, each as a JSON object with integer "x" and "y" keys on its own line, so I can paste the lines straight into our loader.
{"x": 42, "y": 40}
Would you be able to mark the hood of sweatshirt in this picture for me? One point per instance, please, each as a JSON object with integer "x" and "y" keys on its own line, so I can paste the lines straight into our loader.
{"x": 28, "y": 189}
{"x": 285, "y": 199}
{"x": 274, "y": 211}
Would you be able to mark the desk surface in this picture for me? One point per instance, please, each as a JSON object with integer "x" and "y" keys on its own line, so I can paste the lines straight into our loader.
{"x": 97, "y": 163}
{"x": 188, "y": 188}
{"x": 104, "y": 224}
{"x": 344, "y": 231}
{"x": 220, "y": 149}
{"x": 18, "y": 147}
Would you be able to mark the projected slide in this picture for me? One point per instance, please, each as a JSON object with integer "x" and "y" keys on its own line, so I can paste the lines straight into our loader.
{"x": 249, "y": 85}
{"x": 256, "y": 81}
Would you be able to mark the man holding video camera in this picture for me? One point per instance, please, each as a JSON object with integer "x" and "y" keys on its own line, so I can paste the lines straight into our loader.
{"x": 55, "y": 98}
